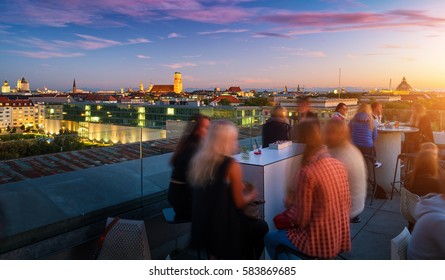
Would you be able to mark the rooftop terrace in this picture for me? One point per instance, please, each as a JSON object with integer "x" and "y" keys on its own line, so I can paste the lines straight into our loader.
{"x": 55, "y": 206}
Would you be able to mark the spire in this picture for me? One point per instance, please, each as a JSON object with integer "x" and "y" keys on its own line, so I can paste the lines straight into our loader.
{"x": 74, "y": 83}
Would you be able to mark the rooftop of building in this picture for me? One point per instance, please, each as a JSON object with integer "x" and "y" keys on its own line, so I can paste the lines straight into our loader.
{"x": 404, "y": 86}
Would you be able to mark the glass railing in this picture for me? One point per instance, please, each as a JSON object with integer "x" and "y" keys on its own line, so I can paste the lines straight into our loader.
{"x": 55, "y": 183}
{"x": 437, "y": 117}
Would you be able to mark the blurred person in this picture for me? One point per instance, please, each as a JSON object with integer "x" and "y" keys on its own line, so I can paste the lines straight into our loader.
{"x": 425, "y": 175}
{"x": 179, "y": 191}
{"x": 218, "y": 223}
{"x": 316, "y": 219}
{"x": 337, "y": 139}
{"x": 364, "y": 132}
{"x": 276, "y": 128}
{"x": 341, "y": 112}
{"x": 304, "y": 114}
{"x": 420, "y": 120}
{"x": 304, "y": 111}
{"x": 427, "y": 239}
{"x": 377, "y": 113}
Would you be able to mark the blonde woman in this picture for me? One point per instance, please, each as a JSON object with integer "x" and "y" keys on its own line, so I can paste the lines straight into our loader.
{"x": 420, "y": 120}
{"x": 364, "y": 132}
{"x": 218, "y": 223}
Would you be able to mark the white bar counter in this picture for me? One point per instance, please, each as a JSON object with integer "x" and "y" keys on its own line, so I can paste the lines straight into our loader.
{"x": 388, "y": 146}
{"x": 270, "y": 173}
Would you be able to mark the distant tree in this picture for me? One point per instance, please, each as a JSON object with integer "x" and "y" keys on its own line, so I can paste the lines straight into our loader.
{"x": 13, "y": 130}
{"x": 22, "y": 127}
{"x": 257, "y": 101}
{"x": 224, "y": 102}
{"x": 8, "y": 128}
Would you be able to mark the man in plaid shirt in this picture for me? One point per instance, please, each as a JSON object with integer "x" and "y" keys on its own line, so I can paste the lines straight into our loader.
{"x": 316, "y": 222}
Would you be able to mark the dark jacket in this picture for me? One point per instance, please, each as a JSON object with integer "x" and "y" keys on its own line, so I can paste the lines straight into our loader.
{"x": 275, "y": 130}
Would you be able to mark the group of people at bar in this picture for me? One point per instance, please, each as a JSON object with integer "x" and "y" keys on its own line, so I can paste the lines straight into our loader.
{"x": 328, "y": 191}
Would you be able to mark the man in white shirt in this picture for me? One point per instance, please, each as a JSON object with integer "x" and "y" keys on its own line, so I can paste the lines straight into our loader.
{"x": 377, "y": 113}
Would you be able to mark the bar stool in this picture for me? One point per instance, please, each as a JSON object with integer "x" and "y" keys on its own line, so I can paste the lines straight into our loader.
{"x": 170, "y": 217}
{"x": 408, "y": 164}
{"x": 371, "y": 175}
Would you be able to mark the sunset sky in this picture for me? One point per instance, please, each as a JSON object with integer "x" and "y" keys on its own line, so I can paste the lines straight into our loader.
{"x": 110, "y": 44}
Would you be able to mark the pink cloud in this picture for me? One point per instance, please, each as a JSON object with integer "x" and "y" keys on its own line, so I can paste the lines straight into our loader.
{"x": 180, "y": 65}
{"x": 271, "y": 34}
{"x": 225, "y": 30}
{"x": 301, "y": 52}
{"x": 45, "y": 54}
{"x": 175, "y": 35}
{"x": 141, "y": 56}
{"x": 300, "y": 23}
{"x": 62, "y": 13}
{"x": 218, "y": 15}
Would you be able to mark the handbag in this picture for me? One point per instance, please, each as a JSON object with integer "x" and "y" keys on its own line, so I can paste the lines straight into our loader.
{"x": 282, "y": 221}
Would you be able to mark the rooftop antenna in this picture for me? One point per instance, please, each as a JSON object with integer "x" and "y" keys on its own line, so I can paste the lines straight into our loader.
{"x": 339, "y": 82}
{"x": 390, "y": 83}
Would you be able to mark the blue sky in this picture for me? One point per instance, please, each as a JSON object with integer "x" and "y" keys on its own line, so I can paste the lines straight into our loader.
{"x": 110, "y": 44}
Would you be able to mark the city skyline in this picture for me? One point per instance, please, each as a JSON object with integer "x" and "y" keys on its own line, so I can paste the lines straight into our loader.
{"x": 110, "y": 44}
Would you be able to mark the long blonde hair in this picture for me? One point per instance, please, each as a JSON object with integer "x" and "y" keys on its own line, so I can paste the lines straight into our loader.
{"x": 221, "y": 141}
{"x": 419, "y": 112}
{"x": 366, "y": 108}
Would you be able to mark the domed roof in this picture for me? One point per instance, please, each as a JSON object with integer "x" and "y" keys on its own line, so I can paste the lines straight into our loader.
{"x": 404, "y": 86}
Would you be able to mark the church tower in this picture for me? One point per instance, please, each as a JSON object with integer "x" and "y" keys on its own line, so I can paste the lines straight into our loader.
{"x": 6, "y": 88}
{"x": 74, "y": 86}
{"x": 141, "y": 87}
{"x": 177, "y": 82}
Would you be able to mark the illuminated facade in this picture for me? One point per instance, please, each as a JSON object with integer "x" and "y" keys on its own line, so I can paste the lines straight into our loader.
{"x": 403, "y": 88}
{"x": 141, "y": 87}
{"x": 177, "y": 82}
{"x": 156, "y": 116}
{"x": 176, "y": 87}
{"x": 23, "y": 85}
{"x": 6, "y": 88}
{"x": 15, "y": 113}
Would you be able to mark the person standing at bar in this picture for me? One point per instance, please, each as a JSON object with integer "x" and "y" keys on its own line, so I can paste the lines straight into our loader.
{"x": 276, "y": 128}
{"x": 336, "y": 136}
{"x": 364, "y": 132}
{"x": 377, "y": 113}
{"x": 341, "y": 112}
{"x": 179, "y": 192}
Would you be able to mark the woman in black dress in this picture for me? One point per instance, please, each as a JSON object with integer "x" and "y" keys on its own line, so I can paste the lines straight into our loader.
{"x": 179, "y": 192}
{"x": 219, "y": 224}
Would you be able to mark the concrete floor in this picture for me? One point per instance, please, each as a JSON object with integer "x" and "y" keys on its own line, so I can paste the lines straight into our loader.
{"x": 371, "y": 238}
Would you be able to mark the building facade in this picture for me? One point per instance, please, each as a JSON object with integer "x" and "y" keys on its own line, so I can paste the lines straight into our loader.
{"x": 17, "y": 113}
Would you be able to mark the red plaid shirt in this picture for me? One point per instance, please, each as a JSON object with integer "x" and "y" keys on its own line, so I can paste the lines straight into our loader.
{"x": 320, "y": 212}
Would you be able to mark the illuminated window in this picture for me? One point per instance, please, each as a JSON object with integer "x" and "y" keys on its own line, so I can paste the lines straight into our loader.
{"x": 170, "y": 111}
{"x": 95, "y": 119}
{"x": 51, "y": 111}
